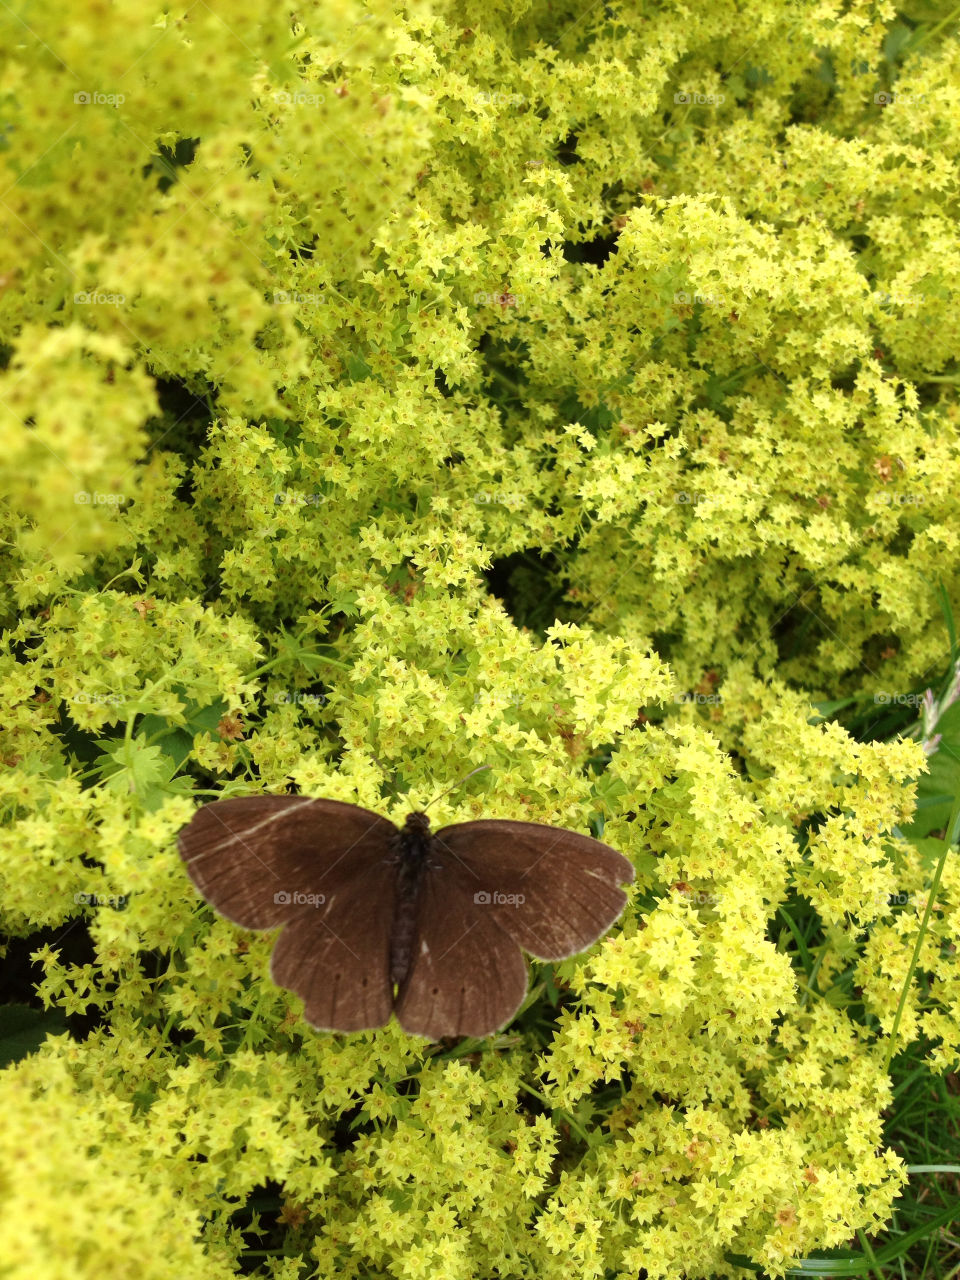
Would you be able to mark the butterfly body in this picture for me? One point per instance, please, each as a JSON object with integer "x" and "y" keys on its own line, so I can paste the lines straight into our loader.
{"x": 413, "y": 861}
{"x": 378, "y": 920}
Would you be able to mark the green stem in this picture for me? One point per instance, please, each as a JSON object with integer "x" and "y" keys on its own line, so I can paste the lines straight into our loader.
{"x": 916, "y": 955}
{"x": 107, "y": 585}
{"x": 270, "y": 1253}
{"x": 934, "y": 30}
{"x": 137, "y": 709}
{"x": 871, "y": 1256}
{"x": 740, "y": 373}
{"x": 811, "y": 984}
{"x": 245, "y": 1042}
{"x": 574, "y": 1125}
{"x": 284, "y": 657}
{"x": 797, "y": 937}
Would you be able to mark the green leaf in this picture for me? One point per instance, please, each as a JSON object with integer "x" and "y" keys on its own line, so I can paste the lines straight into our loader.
{"x": 826, "y": 709}
{"x": 938, "y": 788}
{"x": 144, "y": 769}
{"x": 947, "y": 611}
{"x": 897, "y": 39}
{"x": 154, "y": 796}
{"x": 131, "y": 764}
{"x": 23, "y": 1030}
{"x": 358, "y": 369}
{"x": 205, "y": 719}
{"x": 345, "y": 603}
{"x": 177, "y": 743}
{"x": 930, "y": 851}
{"x": 825, "y": 72}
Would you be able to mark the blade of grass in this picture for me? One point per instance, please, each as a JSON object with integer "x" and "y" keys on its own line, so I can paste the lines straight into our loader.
{"x": 871, "y": 1256}
{"x": 947, "y": 611}
{"x": 798, "y": 938}
{"x": 855, "y": 1264}
{"x": 953, "y": 830}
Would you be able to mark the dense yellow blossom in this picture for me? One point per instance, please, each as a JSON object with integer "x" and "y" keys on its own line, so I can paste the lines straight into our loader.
{"x": 392, "y": 389}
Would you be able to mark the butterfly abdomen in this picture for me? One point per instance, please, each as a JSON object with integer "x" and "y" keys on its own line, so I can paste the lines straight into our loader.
{"x": 413, "y": 850}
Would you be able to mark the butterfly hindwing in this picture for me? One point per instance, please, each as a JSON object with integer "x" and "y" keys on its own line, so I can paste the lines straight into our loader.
{"x": 335, "y": 955}
{"x": 552, "y": 890}
{"x": 467, "y": 976}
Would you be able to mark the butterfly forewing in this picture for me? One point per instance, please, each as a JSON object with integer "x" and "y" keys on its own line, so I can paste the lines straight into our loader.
{"x": 467, "y": 977}
{"x": 254, "y": 858}
{"x": 553, "y": 891}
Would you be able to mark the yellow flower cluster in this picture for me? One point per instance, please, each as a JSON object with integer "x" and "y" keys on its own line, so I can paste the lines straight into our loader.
{"x": 391, "y": 389}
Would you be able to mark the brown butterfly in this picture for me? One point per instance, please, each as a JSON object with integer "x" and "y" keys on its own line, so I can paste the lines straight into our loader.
{"x": 379, "y": 920}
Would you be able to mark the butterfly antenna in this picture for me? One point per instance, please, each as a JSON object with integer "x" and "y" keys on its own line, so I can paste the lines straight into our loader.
{"x": 456, "y": 784}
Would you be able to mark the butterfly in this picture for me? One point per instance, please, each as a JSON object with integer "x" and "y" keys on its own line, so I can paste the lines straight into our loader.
{"x": 380, "y": 920}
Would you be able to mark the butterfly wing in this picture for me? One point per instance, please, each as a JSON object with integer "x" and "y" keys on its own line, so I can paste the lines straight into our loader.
{"x": 336, "y": 955}
{"x": 553, "y": 891}
{"x": 467, "y": 976}
{"x": 320, "y": 868}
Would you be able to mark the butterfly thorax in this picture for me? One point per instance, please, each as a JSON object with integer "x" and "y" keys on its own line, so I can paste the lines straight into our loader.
{"x": 412, "y": 860}
{"x": 416, "y": 824}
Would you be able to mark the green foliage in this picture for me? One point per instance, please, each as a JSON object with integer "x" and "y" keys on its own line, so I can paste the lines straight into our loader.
{"x": 394, "y": 389}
